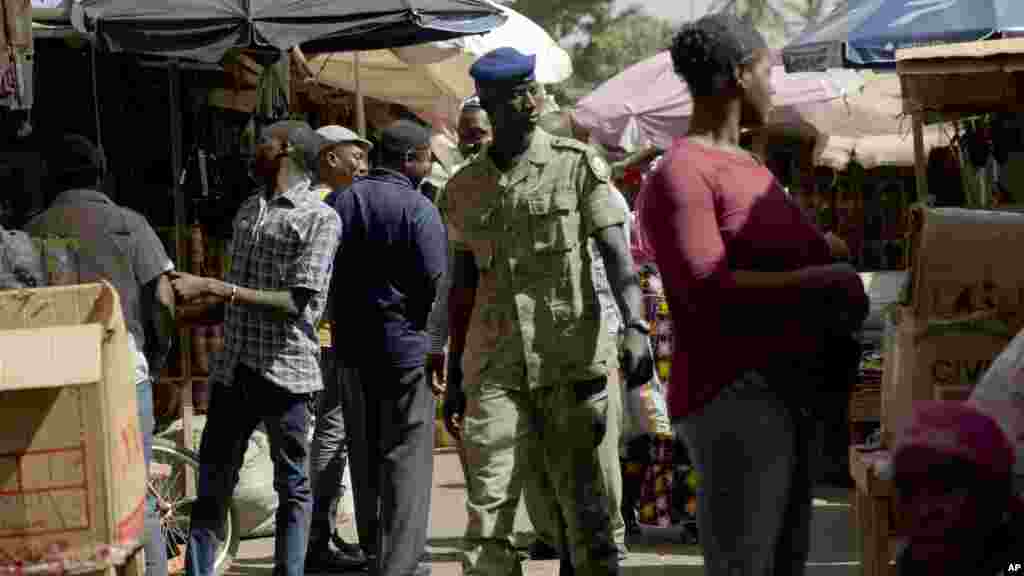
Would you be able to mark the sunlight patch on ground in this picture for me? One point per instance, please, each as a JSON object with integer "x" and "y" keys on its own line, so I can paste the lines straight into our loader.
{"x": 643, "y": 559}
{"x": 821, "y": 503}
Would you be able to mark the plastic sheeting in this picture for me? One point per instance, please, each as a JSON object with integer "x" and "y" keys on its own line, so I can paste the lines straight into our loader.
{"x": 867, "y": 33}
{"x": 206, "y": 29}
{"x": 620, "y": 115}
{"x": 433, "y": 78}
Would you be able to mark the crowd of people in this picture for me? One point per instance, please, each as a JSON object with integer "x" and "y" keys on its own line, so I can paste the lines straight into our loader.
{"x": 511, "y": 293}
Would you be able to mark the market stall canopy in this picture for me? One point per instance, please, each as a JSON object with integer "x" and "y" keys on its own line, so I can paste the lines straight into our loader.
{"x": 867, "y": 33}
{"x": 433, "y": 78}
{"x": 206, "y": 29}
{"x": 879, "y": 150}
{"x": 869, "y": 125}
{"x": 875, "y": 109}
{"x": 619, "y": 115}
{"x": 964, "y": 79}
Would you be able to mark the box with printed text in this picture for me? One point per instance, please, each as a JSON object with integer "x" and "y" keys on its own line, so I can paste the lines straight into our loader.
{"x": 72, "y": 472}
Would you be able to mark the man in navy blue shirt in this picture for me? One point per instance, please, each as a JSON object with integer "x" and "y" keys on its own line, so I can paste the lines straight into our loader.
{"x": 387, "y": 274}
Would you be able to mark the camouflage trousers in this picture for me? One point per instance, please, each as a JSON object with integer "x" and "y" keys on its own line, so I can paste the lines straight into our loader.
{"x": 552, "y": 432}
{"x": 538, "y": 499}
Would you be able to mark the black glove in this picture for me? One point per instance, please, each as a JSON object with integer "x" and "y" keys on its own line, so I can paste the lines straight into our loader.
{"x": 454, "y": 398}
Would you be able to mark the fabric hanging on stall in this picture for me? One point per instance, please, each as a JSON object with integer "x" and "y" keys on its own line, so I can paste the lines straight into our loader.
{"x": 16, "y": 54}
{"x": 272, "y": 93}
{"x": 271, "y": 102}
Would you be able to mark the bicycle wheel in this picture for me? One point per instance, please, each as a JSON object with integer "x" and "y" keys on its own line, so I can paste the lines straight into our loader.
{"x": 167, "y": 476}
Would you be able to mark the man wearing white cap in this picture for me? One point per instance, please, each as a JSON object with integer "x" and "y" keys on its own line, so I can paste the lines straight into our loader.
{"x": 342, "y": 159}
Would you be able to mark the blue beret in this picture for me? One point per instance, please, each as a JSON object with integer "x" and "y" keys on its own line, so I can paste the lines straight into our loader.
{"x": 503, "y": 65}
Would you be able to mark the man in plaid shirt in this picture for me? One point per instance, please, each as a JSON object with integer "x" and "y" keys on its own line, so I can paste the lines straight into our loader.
{"x": 282, "y": 253}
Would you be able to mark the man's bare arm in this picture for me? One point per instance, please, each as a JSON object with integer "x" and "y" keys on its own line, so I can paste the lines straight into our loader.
{"x": 285, "y": 302}
{"x": 618, "y": 263}
{"x": 158, "y": 315}
{"x": 461, "y": 299}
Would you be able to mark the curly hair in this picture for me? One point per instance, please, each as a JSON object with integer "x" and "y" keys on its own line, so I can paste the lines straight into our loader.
{"x": 73, "y": 161}
{"x": 706, "y": 52}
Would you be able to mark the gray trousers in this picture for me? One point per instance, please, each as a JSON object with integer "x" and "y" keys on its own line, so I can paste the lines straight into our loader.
{"x": 353, "y": 406}
{"x": 752, "y": 453}
{"x": 389, "y": 414}
{"x": 329, "y": 454}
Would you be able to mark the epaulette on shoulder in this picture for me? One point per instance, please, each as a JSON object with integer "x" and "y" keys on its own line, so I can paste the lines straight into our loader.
{"x": 570, "y": 143}
{"x": 464, "y": 170}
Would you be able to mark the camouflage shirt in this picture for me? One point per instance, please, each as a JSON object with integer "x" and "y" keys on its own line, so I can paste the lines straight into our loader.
{"x": 537, "y": 320}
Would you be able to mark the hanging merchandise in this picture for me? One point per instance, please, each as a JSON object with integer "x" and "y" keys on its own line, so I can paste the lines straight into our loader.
{"x": 978, "y": 142}
{"x": 16, "y": 55}
{"x": 272, "y": 91}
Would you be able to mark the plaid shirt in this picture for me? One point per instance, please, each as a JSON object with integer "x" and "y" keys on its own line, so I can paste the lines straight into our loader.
{"x": 279, "y": 244}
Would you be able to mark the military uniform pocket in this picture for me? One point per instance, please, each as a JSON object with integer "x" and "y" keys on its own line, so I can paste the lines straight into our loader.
{"x": 554, "y": 222}
{"x": 592, "y": 404}
{"x": 481, "y": 240}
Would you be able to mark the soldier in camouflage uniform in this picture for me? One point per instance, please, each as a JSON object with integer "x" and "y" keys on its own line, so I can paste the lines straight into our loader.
{"x": 539, "y": 359}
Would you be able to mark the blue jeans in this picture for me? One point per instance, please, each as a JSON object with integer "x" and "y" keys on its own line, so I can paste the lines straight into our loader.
{"x": 234, "y": 413}
{"x": 156, "y": 549}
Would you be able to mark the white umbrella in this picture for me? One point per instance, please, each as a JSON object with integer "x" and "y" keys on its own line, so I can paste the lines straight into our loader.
{"x": 432, "y": 79}
{"x": 456, "y": 56}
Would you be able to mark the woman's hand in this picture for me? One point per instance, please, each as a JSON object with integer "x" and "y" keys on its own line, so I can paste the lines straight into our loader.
{"x": 842, "y": 294}
{"x": 838, "y": 247}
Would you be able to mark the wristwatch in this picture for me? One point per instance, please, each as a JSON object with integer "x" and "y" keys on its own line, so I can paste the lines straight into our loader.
{"x": 641, "y": 326}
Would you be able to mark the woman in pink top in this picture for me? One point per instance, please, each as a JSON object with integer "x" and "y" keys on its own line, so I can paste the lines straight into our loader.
{"x": 753, "y": 294}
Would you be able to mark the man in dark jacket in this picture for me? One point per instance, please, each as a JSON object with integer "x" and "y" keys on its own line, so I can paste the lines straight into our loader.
{"x": 388, "y": 270}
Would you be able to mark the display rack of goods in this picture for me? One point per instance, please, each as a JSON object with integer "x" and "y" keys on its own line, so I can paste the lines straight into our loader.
{"x": 661, "y": 325}
{"x": 966, "y": 301}
{"x": 16, "y": 54}
{"x": 206, "y": 257}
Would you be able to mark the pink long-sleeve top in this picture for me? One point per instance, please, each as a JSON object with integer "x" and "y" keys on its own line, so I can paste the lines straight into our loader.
{"x": 707, "y": 213}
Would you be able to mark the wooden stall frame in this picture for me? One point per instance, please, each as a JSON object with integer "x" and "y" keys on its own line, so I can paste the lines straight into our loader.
{"x": 991, "y": 58}
{"x": 872, "y": 513}
{"x": 998, "y": 63}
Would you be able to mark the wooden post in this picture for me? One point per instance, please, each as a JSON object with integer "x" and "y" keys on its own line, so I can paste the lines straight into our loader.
{"x": 920, "y": 159}
{"x": 181, "y": 243}
{"x": 360, "y": 106}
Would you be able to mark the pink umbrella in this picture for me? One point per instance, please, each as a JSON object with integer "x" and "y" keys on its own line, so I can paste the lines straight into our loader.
{"x": 648, "y": 104}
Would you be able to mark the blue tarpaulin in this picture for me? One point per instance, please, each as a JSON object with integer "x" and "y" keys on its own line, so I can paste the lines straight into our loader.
{"x": 867, "y": 33}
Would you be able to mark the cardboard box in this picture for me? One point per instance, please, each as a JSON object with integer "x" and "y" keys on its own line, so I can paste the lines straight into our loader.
{"x": 16, "y": 30}
{"x": 925, "y": 360}
{"x": 965, "y": 262}
{"x": 72, "y": 475}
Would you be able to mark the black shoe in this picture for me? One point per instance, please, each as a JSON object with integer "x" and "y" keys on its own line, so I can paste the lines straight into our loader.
{"x": 540, "y": 550}
{"x": 347, "y": 548}
{"x": 332, "y": 559}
